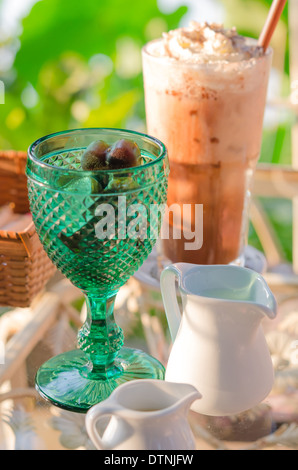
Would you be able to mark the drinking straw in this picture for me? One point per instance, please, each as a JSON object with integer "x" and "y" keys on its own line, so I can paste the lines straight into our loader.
{"x": 274, "y": 14}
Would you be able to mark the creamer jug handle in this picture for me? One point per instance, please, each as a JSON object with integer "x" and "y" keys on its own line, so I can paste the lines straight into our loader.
{"x": 168, "y": 291}
{"x": 93, "y": 416}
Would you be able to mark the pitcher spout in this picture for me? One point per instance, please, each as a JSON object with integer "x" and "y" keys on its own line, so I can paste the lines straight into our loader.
{"x": 263, "y": 297}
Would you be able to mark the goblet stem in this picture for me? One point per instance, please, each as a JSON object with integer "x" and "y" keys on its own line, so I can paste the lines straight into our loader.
{"x": 100, "y": 337}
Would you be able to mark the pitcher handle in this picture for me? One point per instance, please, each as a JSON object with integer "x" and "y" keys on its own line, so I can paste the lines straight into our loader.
{"x": 168, "y": 291}
{"x": 96, "y": 413}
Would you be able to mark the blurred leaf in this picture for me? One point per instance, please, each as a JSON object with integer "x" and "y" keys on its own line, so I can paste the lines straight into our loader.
{"x": 87, "y": 27}
{"x": 276, "y": 145}
{"x": 112, "y": 113}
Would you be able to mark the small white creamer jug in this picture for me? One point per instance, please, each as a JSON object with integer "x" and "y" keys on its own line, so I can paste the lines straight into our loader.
{"x": 218, "y": 341}
{"x": 145, "y": 415}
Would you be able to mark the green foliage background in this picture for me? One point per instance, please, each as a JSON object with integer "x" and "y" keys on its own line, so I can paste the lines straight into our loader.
{"x": 71, "y": 67}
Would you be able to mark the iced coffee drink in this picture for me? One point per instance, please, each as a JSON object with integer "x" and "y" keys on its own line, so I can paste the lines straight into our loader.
{"x": 205, "y": 91}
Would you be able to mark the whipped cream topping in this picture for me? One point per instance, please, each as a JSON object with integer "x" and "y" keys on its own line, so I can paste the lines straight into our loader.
{"x": 207, "y": 42}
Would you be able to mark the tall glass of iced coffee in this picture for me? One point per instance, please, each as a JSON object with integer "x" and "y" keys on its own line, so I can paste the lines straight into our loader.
{"x": 205, "y": 92}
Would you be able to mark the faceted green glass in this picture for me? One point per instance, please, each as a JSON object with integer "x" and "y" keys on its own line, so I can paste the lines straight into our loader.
{"x": 98, "y": 228}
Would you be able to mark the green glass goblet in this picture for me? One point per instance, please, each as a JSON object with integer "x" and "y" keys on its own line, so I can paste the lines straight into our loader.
{"x": 97, "y": 227}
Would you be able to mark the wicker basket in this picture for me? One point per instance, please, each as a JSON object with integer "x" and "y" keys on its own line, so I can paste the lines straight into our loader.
{"x": 13, "y": 182}
{"x": 24, "y": 266}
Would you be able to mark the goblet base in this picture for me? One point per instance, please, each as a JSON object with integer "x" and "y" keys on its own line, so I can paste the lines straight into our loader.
{"x": 70, "y": 381}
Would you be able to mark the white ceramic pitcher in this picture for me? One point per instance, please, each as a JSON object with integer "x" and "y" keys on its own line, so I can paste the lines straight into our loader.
{"x": 219, "y": 345}
{"x": 145, "y": 415}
